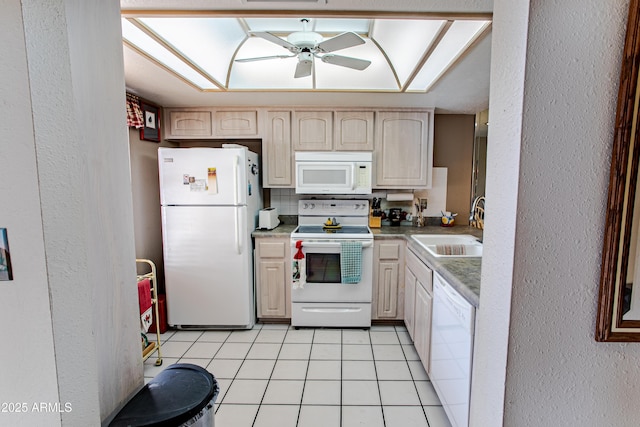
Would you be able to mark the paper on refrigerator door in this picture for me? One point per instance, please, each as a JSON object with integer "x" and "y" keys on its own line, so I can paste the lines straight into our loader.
{"x": 212, "y": 181}
{"x": 198, "y": 185}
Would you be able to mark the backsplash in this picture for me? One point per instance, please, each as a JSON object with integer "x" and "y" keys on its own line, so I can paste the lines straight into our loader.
{"x": 286, "y": 199}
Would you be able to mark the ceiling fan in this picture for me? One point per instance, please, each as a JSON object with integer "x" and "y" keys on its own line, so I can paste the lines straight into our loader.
{"x": 306, "y": 45}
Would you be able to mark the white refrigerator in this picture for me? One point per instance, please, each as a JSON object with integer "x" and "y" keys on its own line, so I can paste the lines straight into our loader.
{"x": 210, "y": 200}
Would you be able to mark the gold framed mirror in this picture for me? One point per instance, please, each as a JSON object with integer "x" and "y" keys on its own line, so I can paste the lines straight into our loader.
{"x": 618, "y": 317}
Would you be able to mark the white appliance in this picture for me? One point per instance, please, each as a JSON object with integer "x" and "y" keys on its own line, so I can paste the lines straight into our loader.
{"x": 323, "y": 300}
{"x": 210, "y": 200}
{"x": 452, "y": 350}
{"x": 333, "y": 172}
{"x": 268, "y": 219}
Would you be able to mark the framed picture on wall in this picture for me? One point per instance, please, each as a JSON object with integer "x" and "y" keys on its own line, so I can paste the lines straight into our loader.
{"x": 618, "y": 316}
{"x": 5, "y": 257}
{"x": 151, "y": 129}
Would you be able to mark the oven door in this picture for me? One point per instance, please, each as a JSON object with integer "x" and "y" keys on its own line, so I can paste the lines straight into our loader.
{"x": 322, "y": 281}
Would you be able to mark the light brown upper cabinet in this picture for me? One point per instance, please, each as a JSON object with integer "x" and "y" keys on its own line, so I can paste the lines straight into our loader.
{"x": 276, "y": 150}
{"x": 312, "y": 130}
{"x": 210, "y": 122}
{"x": 188, "y": 124}
{"x": 403, "y": 152}
{"x": 353, "y": 131}
{"x": 236, "y": 123}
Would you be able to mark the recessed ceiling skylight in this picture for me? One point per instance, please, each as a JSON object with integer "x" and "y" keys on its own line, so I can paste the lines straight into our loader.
{"x": 405, "y": 53}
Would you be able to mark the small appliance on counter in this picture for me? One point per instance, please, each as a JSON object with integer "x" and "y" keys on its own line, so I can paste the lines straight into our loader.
{"x": 375, "y": 215}
{"x": 395, "y": 216}
{"x": 268, "y": 219}
{"x": 448, "y": 219}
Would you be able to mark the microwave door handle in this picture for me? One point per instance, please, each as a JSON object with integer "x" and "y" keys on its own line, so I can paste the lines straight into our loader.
{"x": 355, "y": 176}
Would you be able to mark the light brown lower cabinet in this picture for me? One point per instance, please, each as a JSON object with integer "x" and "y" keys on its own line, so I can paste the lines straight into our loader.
{"x": 388, "y": 279}
{"x": 273, "y": 290}
{"x": 419, "y": 305}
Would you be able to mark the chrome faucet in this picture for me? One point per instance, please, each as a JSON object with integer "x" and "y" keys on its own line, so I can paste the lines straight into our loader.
{"x": 476, "y": 218}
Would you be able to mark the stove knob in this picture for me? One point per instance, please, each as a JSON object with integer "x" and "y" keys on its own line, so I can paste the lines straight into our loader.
{"x": 313, "y": 205}
{"x": 305, "y": 206}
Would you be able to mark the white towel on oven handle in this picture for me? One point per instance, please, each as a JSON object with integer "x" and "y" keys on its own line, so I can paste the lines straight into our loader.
{"x": 299, "y": 274}
{"x": 298, "y": 268}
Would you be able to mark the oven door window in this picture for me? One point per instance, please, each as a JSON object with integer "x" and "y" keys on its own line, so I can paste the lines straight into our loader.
{"x": 323, "y": 268}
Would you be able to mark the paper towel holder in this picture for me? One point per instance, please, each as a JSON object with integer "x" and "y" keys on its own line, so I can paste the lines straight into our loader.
{"x": 400, "y": 197}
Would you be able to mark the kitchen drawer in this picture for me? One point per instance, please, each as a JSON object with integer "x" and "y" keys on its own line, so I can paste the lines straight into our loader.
{"x": 420, "y": 271}
{"x": 271, "y": 249}
{"x": 389, "y": 251}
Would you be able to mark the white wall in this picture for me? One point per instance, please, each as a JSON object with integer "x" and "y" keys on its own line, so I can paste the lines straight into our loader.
{"x": 553, "y": 96}
{"x": 28, "y": 372}
{"x": 71, "y": 313}
{"x": 146, "y": 201}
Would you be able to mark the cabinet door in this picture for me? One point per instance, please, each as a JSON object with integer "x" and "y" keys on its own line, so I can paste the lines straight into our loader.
{"x": 276, "y": 149}
{"x": 403, "y": 149}
{"x": 389, "y": 280}
{"x": 312, "y": 130}
{"x": 185, "y": 124}
{"x": 409, "y": 301}
{"x": 236, "y": 123}
{"x": 272, "y": 297}
{"x": 272, "y": 285}
{"x": 422, "y": 340}
{"x": 388, "y": 290}
{"x": 353, "y": 131}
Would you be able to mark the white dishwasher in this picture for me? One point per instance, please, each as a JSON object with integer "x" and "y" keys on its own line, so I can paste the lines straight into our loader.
{"x": 452, "y": 350}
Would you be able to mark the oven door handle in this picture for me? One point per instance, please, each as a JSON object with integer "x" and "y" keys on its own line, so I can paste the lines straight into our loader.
{"x": 327, "y": 244}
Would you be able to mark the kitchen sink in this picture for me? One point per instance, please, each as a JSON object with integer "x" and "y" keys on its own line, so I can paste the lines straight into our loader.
{"x": 450, "y": 245}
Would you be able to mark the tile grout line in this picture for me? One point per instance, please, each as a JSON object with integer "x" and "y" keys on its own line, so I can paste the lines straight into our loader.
{"x": 413, "y": 380}
{"x": 255, "y": 418}
{"x": 341, "y": 371}
{"x": 306, "y": 374}
{"x": 239, "y": 367}
{"x": 375, "y": 368}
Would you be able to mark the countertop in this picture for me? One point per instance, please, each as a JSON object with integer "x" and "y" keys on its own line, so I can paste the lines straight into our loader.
{"x": 463, "y": 274}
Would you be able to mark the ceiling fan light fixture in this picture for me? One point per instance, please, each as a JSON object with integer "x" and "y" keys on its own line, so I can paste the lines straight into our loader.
{"x": 305, "y": 56}
{"x": 305, "y": 39}
{"x": 308, "y": 44}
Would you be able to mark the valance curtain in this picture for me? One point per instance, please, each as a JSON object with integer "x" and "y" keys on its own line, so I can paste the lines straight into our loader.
{"x": 134, "y": 113}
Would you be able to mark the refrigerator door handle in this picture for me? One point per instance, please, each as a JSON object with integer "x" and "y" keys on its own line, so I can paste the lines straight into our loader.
{"x": 237, "y": 222}
{"x": 236, "y": 170}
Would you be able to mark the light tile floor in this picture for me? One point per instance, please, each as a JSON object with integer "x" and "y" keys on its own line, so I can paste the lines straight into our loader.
{"x": 275, "y": 375}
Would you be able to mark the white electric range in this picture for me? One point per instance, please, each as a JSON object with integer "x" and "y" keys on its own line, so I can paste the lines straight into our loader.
{"x": 332, "y": 283}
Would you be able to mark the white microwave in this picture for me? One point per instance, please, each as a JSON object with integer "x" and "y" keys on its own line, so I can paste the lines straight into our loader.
{"x": 333, "y": 172}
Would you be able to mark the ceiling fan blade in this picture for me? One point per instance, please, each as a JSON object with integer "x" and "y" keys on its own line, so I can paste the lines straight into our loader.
{"x": 346, "y": 61}
{"x": 275, "y": 39}
{"x": 303, "y": 69}
{"x": 261, "y": 58}
{"x": 341, "y": 41}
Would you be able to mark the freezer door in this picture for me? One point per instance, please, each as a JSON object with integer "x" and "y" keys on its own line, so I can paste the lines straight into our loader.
{"x": 208, "y": 266}
{"x": 203, "y": 176}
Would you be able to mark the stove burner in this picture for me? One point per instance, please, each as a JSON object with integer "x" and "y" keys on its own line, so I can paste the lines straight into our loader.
{"x": 318, "y": 229}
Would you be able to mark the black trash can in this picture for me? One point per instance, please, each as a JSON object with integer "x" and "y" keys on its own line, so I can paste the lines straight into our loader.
{"x": 181, "y": 395}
